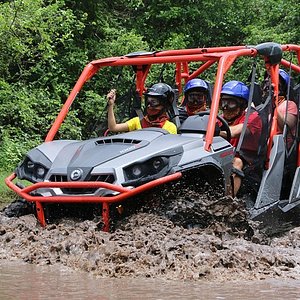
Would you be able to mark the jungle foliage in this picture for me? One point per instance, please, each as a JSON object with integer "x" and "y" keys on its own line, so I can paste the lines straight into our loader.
{"x": 45, "y": 44}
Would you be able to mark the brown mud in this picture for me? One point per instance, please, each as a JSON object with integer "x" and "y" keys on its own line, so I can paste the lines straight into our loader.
{"x": 226, "y": 246}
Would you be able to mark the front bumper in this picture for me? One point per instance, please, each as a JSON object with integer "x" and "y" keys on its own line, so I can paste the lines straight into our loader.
{"x": 118, "y": 193}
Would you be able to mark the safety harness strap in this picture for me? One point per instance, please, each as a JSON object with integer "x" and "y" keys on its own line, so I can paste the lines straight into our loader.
{"x": 248, "y": 108}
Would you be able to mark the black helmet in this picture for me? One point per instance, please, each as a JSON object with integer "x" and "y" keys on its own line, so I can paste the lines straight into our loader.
{"x": 161, "y": 90}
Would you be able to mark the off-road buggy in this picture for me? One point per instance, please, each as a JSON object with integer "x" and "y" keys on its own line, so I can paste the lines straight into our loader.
{"x": 111, "y": 170}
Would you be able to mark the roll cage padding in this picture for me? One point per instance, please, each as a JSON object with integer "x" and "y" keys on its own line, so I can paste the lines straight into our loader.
{"x": 272, "y": 50}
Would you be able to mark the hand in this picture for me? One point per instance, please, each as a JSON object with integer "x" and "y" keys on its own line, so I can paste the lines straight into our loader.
{"x": 111, "y": 97}
{"x": 223, "y": 134}
{"x": 217, "y": 130}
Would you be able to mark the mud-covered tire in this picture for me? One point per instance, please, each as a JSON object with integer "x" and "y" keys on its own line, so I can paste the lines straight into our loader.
{"x": 19, "y": 208}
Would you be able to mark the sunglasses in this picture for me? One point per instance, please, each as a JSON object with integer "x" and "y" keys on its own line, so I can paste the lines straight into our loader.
{"x": 196, "y": 98}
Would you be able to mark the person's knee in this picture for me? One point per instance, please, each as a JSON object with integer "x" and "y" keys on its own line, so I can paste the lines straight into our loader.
{"x": 237, "y": 168}
{"x": 237, "y": 163}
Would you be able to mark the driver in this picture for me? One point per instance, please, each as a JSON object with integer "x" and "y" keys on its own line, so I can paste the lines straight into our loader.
{"x": 195, "y": 98}
{"x": 158, "y": 98}
{"x": 233, "y": 103}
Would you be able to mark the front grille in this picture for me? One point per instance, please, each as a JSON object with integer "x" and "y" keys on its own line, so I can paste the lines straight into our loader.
{"x": 109, "y": 178}
{"x": 58, "y": 178}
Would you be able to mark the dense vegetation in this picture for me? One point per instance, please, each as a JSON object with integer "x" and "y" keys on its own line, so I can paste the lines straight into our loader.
{"x": 46, "y": 43}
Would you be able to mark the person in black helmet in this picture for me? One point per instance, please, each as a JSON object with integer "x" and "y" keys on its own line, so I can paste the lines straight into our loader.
{"x": 158, "y": 98}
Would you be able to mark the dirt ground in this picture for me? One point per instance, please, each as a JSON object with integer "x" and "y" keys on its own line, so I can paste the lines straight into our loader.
{"x": 147, "y": 244}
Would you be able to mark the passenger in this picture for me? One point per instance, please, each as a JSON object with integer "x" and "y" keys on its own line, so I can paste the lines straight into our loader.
{"x": 287, "y": 113}
{"x": 233, "y": 103}
{"x": 157, "y": 99}
{"x": 287, "y": 110}
{"x": 195, "y": 98}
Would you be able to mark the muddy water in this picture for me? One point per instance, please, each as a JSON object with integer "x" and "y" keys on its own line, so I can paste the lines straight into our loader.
{"x": 149, "y": 246}
{"x": 150, "y": 256}
{"x": 23, "y": 281}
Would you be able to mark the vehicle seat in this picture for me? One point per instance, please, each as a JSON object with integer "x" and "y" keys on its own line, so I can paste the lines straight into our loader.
{"x": 253, "y": 173}
{"x": 257, "y": 95}
{"x": 195, "y": 124}
{"x": 173, "y": 112}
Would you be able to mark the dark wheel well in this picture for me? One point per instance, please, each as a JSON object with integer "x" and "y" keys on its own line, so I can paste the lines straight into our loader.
{"x": 207, "y": 174}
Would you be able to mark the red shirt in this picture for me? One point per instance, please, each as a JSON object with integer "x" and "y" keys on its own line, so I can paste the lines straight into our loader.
{"x": 250, "y": 143}
{"x": 253, "y": 132}
{"x": 292, "y": 109}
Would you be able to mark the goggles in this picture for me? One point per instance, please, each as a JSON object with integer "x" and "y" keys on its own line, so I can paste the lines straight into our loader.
{"x": 153, "y": 102}
{"x": 195, "y": 98}
{"x": 266, "y": 86}
{"x": 229, "y": 103}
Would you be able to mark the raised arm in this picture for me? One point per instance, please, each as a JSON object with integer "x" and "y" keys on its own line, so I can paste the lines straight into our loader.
{"x": 112, "y": 124}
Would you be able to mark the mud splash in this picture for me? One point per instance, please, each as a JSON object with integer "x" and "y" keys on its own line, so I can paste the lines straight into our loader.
{"x": 147, "y": 245}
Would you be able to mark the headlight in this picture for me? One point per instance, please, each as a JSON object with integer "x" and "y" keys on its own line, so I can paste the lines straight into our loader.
{"x": 40, "y": 171}
{"x": 30, "y": 165}
{"x": 157, "y": 163}
{"x": 31, "y": 171}
{"x": 136, "y": 171}
{"x": 149, "y": 168}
